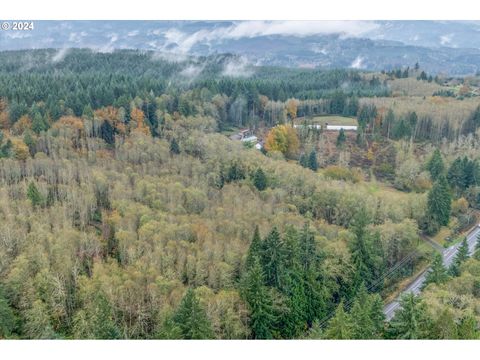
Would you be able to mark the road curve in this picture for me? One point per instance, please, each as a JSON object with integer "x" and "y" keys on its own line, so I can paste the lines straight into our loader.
{"x": 415, "y": 287}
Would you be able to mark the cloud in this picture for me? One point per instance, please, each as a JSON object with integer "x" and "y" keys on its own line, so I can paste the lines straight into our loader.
{"x": 238, "y": 67}
{"x": 357, "y": 63}
{"x": 60, "y": 55}
{"x": 133, "y": 33}
{"x": 446, "y": 39}
{"x": 192, "y": 71}
{"x": 108, "y": 47}
{"x": 300, "y": 28}
{"x": 184, "y": 42}
{"x": 319, "y": 50}
{"x": 169, "y": 56}
{"x": 17, "y": 34}
{"x": 48, "y": 40}
{"x": 76, "y": 37}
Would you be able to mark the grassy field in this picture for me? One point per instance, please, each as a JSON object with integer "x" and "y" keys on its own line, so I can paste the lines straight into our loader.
{"x": 328, "y": 119}
{"x": 231, "y": 130}
{"x": 438, "y": 108}
{"x": 413, "y": 87}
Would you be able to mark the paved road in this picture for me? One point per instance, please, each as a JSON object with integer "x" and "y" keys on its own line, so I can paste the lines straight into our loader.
{"x": 416, "y": 286}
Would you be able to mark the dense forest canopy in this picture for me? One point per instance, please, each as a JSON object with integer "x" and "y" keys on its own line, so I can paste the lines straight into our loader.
{"x": 85, "y": 78}
{"x": 127, "y": 211}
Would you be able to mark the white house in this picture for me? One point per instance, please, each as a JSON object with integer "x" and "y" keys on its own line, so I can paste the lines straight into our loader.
{"x": 311, "y": 126}
{"x": 251, "y": 138}
{"x": 344, "y": 127}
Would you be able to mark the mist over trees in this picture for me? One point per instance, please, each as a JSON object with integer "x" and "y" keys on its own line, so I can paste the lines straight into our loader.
{"x": 127, "y": 212}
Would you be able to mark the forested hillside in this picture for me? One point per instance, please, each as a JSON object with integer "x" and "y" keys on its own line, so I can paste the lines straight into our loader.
{"x": 127, "y": 212}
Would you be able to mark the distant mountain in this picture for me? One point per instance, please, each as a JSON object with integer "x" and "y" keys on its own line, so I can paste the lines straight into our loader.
{"x": 456, "y": 34}
{"x": 450, "y": 47}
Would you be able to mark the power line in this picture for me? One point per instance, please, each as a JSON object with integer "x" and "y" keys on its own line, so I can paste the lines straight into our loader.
{"x": 389, "y": 273}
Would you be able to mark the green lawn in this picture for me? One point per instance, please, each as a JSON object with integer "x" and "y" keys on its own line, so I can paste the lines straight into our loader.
{"x": 330, "y": 119}
{"x": 231, "y": 130}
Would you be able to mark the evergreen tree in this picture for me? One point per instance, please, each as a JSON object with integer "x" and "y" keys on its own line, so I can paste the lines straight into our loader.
{"x": 439, "y": 202}
{"x": 470, "y": 170}
{"x": 312, "y": 277}
{"x": 191, "y": 318}
{"x": 460, "y": 258}
{"x": 174, "y": 147}
{"x": 367, "y": 254}
{"x": 435, "y": 165}
{"x": 260, "y": 179}
{"x": 87, "y": 112}
{"x": 7, "y": 318}
{"x": 274, "y": 258}
{"x": 235, "y": 172}
{"x": 262, "y": 318}
{"x": 315, "y": 295}
{"x": 438, "y": 273}
{"x": 351, "y": 108}
{"x": 295, "y": 319}
{"x": 303, "y": 161}
{"x": 377, "y": 315}
{"x": 361, "y": 316}
{"x": 462, "y": 174}
{"x": 455, "y": 174}
{"x": 107, "y": 132}
{"x": 291, "y": 243}
{"x": 312, "y": 161}
{"x": 476, "y": 253}
{"x": 96, "y": 321}
{"x": 6, "y": 150}
{"x": 341, "y": 138}
{"x": 169, "y": 330}
{"x": 340, "y": 326}
{"x": 34, "y": 195}
{"x": 30, "y": 142}
{"x": 423, "y": 76}
{"x": 255, "y": 249}
{"x": 307, "y": 249}
{"x": 39, "y": 123}
{"x": 388, "y": 122}
{"x": 410, "y": 320}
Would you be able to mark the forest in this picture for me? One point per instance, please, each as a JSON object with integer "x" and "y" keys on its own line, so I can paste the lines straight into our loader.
{"x": 128, "y": 212}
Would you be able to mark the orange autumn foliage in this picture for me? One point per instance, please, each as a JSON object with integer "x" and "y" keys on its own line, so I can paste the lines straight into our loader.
{"x": 24, "y": 123}
{"x": 4, "y": 118}
{"x": 291, "y": 107}
{"x": 137, "y": 118}
{"x": 111, "y": 114}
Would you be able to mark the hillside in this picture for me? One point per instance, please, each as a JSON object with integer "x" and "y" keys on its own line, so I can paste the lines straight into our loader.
{"x": 127, "y": 212}
{"x": 442, "y": 47}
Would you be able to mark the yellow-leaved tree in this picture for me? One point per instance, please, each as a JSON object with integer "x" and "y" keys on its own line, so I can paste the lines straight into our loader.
{"x": 138, "y": 118}
{"x": 283, "y": 138}
{"x": 291, "y": 107}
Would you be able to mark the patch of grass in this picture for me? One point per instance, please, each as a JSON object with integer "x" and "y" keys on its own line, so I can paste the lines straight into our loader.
{"x": 373, "y": 187}
{"x": 231, "y": 130}
{"x": 413, "y": 87}
{"x": 328, "y": 119}
{"x": 442, "y": 235}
